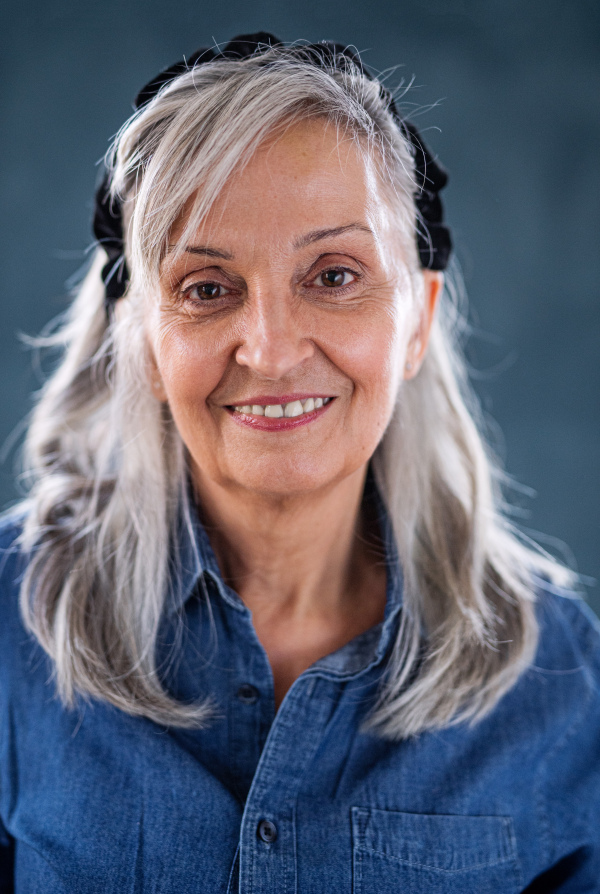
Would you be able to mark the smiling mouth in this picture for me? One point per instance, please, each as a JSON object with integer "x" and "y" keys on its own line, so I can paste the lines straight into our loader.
{"x": 289, "y": 410}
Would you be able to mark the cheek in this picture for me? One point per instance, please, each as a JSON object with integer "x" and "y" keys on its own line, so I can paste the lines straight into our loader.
{"x": 190, "y": 365}
{"x": 370, "y": 352}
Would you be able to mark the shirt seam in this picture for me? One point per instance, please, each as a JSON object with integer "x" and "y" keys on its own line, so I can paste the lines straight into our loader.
{"x": 497, "y": 862}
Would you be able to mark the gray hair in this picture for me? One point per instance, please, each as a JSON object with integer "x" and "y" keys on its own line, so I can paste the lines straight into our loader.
{"x": 108, "y": 469}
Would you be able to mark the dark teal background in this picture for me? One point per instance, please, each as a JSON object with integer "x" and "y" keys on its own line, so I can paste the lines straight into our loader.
{"x": 516, "y": 85}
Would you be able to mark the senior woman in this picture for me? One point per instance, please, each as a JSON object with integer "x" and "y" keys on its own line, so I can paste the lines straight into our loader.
{"x": 264, "y": 627}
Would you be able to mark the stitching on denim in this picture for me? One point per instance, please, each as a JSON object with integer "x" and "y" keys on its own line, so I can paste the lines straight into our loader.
{"x": 510, "y": 829}
{"x": 507, "y": 861}
{"x": 359, "y": 868}
{"x": 357, "y": 827}
{"x": 271, "y": 757}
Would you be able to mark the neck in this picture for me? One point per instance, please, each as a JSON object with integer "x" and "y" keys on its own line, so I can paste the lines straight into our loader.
{"x": 296, "y": 555}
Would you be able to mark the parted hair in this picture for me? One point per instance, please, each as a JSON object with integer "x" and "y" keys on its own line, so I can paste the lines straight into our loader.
{"x": 108, "y": 472}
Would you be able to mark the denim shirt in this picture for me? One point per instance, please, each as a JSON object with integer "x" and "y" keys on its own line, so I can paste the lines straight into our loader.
{"x": 300, "y": 800}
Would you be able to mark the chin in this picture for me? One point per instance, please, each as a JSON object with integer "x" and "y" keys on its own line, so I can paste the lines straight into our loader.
{"x": 287, "y": 477}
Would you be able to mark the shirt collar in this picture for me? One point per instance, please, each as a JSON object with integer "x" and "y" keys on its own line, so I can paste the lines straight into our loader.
{"x": 192, "y": 561}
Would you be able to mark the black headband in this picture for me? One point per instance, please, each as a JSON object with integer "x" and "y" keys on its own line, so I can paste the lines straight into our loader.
{"x": 433, "y": 236}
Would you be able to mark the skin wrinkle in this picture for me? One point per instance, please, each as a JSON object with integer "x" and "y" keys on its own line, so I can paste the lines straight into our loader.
{"x": 285, "y": 507}
{"x": 301, "y": 242}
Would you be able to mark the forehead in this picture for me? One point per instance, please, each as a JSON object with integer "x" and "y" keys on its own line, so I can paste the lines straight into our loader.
{"x": 311, "y": 175}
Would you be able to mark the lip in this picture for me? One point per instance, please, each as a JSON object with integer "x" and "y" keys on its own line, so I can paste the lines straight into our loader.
{"x": 264, "y": 423}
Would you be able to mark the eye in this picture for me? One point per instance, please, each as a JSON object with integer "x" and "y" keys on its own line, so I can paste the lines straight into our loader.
{"x": 335, "y": 278}
{"x": 206, "y": 291}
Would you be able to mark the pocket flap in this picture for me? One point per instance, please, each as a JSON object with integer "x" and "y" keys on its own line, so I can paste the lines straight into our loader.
{"x": 434, "y": 841}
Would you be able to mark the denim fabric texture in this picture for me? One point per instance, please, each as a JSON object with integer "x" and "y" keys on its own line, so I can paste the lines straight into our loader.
{"x": 302, "y": 800}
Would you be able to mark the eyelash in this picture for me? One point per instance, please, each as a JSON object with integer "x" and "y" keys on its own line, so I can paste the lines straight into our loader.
{"x": 187, "y": 292}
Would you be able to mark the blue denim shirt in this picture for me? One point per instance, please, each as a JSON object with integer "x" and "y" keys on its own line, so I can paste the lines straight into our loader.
{"x": 298, "y": 801}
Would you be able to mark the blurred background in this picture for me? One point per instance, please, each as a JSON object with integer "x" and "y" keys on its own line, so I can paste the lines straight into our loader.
{"x": 507, "y": 93}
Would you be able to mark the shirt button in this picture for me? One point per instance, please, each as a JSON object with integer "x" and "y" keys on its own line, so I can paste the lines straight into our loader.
{"x": 267, "y": 831}
{"x": 247, "y": 693}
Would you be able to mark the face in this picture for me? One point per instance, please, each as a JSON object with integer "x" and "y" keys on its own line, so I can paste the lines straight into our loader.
{"x": 282, "y": 331}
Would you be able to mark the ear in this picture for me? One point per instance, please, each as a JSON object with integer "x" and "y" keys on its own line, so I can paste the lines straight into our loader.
{"x": 433, "y": 282}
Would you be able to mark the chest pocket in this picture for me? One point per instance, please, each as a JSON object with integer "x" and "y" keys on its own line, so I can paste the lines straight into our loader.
{"x": 426, "y": 854}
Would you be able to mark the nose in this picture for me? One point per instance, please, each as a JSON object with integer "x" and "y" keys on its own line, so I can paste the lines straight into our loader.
{"x": 273, "y": 344}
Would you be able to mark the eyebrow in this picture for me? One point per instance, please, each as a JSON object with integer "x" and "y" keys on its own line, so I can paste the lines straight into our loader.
{"x": 202, "y": 250}
{"x": 315, "y": 235}
{"x": 301, "y": 242}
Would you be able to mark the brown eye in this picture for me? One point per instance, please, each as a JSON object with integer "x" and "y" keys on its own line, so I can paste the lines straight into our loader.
{"x": 207, "y": 291}
{"x": 335, "y": 278}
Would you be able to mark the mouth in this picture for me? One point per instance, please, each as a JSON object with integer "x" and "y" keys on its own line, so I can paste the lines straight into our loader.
{"x": 287, "y": 410}
{"x": 268, "y": 415}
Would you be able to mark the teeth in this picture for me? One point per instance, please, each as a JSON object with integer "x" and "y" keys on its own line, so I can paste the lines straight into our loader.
{"x": 294, "y": 408}
{"x": 290, "y": 410}
{"x": 274, "y": 411}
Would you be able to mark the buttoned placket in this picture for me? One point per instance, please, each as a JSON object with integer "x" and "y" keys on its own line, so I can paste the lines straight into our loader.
{"x": 267, "y": 856}
{"x": 251, "y": 708}
{"x": 269, "y": 752}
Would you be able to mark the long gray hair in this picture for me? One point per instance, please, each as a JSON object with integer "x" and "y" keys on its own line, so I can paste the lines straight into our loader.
{"x": 108, "y": 469}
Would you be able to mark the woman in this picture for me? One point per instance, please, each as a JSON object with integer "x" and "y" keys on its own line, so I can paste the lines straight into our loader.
{"x": 264, "y": 625}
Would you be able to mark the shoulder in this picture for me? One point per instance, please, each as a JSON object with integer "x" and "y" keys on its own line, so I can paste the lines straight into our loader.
{"x": 564, "y": 677}
{"x": 560, "y": 688}
{"x": 569, "y": 633}
{"x": 563, "y": 703}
